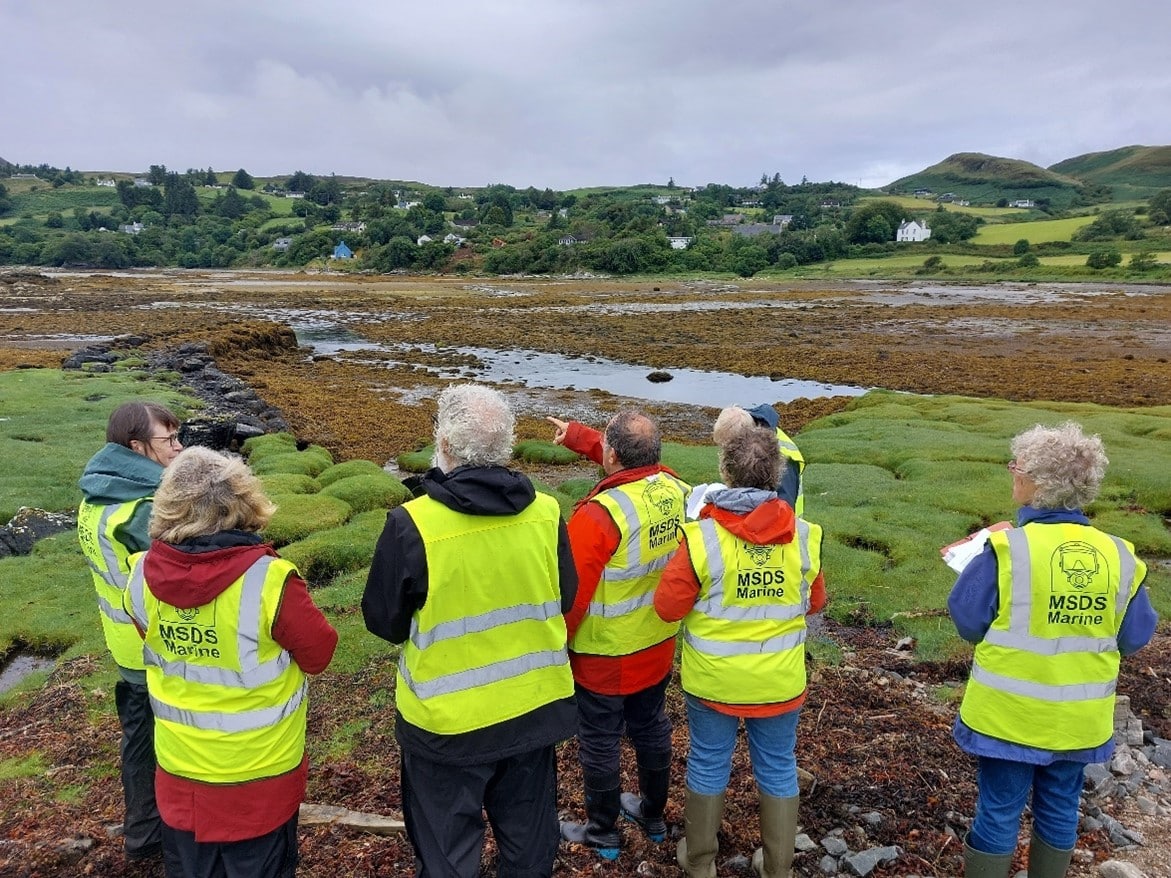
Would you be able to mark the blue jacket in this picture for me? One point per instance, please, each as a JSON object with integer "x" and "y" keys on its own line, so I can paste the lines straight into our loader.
{"x": 973, "y": 604}
{"x": 117, "y": 475}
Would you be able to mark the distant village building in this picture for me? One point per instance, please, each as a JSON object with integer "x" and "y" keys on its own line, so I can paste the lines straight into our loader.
{"x": 24, "y": 177}
{"x": 341, "y": 251}
{"x": 294, "y": 195}
{"x": 749, "y": 230}
{"x": 679, "y": 242}
{"x": 106, "y": 182}
{"x": 282, "y": 244}
{"x": 423, "y": 239}
{"x": 782, "y": 219}
{"x": 913, "y": 230}
{"x": 1023, "y": 202}
{"x": 131, "y": 228}
{"x": 450, "y": 238}
{"x": 349, "y": 227}
{"x": 142, "y": 183}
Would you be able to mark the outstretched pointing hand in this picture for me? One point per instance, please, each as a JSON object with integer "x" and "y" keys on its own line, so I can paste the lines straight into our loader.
{"x": 560, "y": 428}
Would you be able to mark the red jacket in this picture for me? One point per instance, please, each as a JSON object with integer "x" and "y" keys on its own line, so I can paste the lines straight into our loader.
{"x": 594, "y": 537}
{"x": 770, "y": 523}
{"x": 192, "y": 575}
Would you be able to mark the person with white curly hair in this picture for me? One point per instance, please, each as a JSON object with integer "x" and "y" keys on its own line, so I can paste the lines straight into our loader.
{"x": 473, "y": 577}
{"x": 1052, "y": 605}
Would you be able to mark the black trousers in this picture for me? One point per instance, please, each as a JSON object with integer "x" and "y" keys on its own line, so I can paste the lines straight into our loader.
{"x": 273, "y": 855}
{"x": 602, "y": 720}
{"x": 142, "y": 827}
{"x": 444, "y": 805}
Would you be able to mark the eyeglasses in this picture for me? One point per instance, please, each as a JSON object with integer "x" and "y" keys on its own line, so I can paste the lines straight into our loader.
{"x": 170, "y": 439}
{"x": 1015, "y": 469}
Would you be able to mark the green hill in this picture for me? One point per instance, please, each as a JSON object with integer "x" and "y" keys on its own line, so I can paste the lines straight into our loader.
{"x": 985, "y": 179}
{"x": 1131, "y": 172}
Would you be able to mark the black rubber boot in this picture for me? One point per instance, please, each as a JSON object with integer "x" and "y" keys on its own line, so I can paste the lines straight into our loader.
{"x": 601, "y": 805}
{"x": 654, "y": 780}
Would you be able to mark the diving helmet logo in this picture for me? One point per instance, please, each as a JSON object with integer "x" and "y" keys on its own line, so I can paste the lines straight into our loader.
{"x": 187, "y": 614}
{"x": 659, "y": 496}
{"x": 1080, "y": 563}
{"x": 760, "y": 555}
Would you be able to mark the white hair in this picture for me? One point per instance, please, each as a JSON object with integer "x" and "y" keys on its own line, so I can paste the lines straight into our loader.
{"x": 474, "y": 427}
{"x": 732, "y": 421}
{"x": 1065, "y": 464}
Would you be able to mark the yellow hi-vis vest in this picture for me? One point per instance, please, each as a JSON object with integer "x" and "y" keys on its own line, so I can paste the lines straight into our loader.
{"x": 488, "y": 644}
{"x": 1045, "y": 673}
{"x": 792, "y": 454}
{"x": 109, "y": 563}
{"x": 229, "y": 701}
{"x": 744, "y": 639}
{"x": 621, "y": 618}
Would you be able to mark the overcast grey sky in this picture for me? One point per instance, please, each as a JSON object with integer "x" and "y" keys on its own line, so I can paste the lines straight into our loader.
{"x": 567, "y": 93}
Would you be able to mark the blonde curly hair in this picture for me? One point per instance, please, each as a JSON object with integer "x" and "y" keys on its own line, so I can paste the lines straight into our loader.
{"x": 204, "y": 492}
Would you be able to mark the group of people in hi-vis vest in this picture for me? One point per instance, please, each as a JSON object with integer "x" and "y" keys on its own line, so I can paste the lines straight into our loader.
{"x": 520, "y": 630}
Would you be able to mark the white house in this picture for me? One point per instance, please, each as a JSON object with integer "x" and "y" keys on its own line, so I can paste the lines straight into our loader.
{"x": 680, "y": 242}
{"x": 1023, "y": 202}
{"x": 423, "y": 239}
{"x": 913, "y": 230}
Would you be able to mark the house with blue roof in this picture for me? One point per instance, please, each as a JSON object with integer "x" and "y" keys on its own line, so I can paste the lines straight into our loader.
{"x": 341, "y": 251}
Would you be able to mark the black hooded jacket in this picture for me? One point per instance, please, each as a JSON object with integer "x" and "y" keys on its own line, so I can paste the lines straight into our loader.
{"x": 397, "y": 587}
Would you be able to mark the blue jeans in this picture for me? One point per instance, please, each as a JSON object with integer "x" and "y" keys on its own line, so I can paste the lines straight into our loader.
{"x": 772, "y": 741}
{"x": 1004, "y": 789}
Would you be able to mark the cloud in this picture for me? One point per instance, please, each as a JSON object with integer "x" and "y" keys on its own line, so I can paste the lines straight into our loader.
{"x": 568, "y": 93}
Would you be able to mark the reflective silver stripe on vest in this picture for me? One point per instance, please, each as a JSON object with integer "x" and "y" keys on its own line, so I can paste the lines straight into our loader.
{"x": 1021, "y": 604}
{"x": 787, "y": 445}
{"x": 483, "y": 676}
{"x": 114, "y": 614}
{"x": 1043, "y": 691}
{"x": 1126, "y": 573}
{"x": 713, "y": 605}
{"x": 622, "y": 608}
{"x": 231, "y": 722}
{"x": 633, "y": 531}
{"x": 136, "y": 590}
{"x": 252, "y": 671}
{"x": 635, "y": 571}
{"x": 740, "y": 647}
{"x": 113, "y": 574}
{"x": 483, "y": 622}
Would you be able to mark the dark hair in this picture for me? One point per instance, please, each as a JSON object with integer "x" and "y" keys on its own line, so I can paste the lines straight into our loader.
{"x": 634, "y": 438}
{"x": 751, "y": 459}
{"x": 132, "y": 420}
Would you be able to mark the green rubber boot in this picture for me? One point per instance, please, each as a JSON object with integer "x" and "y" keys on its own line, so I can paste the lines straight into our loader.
{"x": 697, "y": 850}
{"x": 978, "y": 864}
{"x": 1046, "y": 861}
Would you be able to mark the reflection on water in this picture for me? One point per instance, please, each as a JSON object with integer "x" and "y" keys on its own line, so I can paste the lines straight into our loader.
{"x": 554, "y": 371}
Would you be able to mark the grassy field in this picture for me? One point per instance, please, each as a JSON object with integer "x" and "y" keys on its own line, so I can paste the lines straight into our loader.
{"x": 919, "y": 205}
{"x": 1035, "y": 232}
{"x": 881, "y": 267}
{"x": 891, "y": 479}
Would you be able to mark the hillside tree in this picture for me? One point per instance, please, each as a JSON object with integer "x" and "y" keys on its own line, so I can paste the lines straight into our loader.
{"x": 243, "y": 180}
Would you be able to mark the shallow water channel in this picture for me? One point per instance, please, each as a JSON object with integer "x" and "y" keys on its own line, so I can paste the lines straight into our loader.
{"x": 20, "y": 667}
{"x": 553, "y": 371}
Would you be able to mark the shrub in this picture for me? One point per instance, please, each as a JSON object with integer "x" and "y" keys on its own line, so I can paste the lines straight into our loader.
{"x": 303, "y": 462}
{"x": 1021, "y": 247}
{"x": 350, "y": 468}
{"x": 369, "y": 491}
{"x": 1104, "y": 259}
{"x": 323, "y": 555}
{"x": 299, "y": 515}
{"x": 1028, "y": 260}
